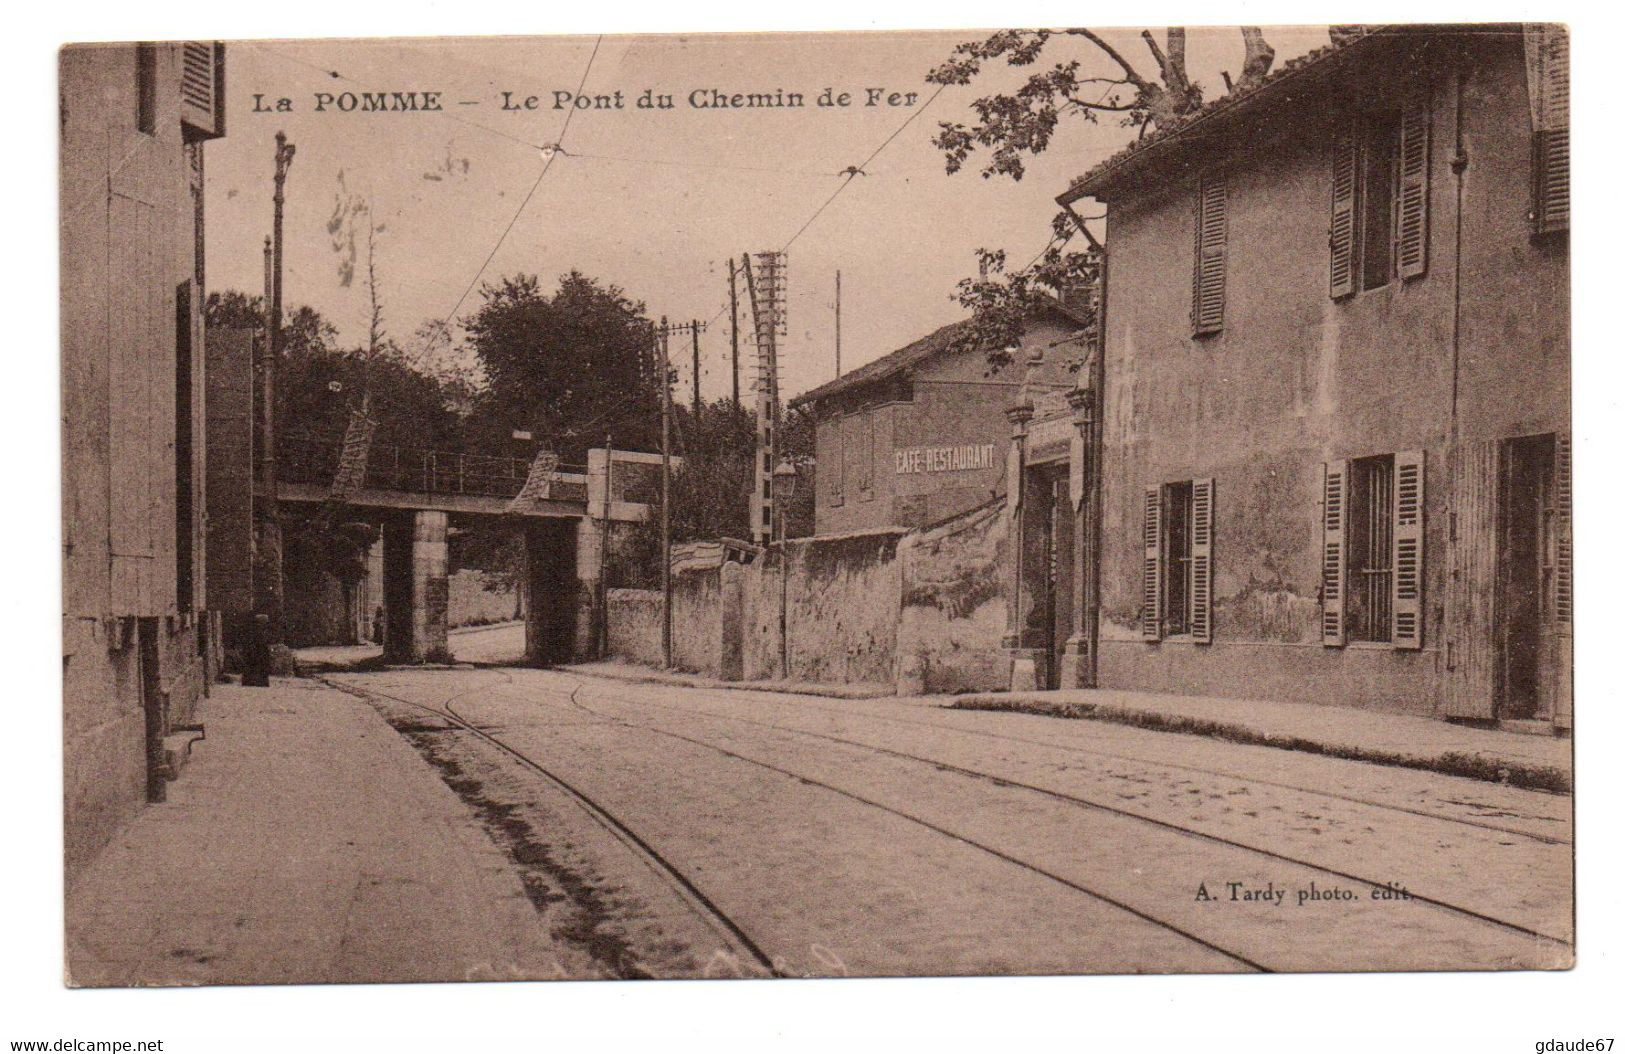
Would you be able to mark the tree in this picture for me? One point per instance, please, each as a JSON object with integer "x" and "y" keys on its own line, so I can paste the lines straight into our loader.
{"x": 1023, "y": 121}
{"x": 569, "y": 367}
{"x": 317, "y": 382}
{"x": 1015, "y": 125}
{"x": 711, "y": 488}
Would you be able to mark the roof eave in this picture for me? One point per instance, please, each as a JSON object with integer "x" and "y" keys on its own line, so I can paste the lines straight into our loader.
{"x": 1099, "y": 182}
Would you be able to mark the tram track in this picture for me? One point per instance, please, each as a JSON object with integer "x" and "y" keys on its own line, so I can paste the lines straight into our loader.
{"x": 704, "y": 905}
{"x": 1070, "y": 748}
{"x": 1072, "y": 800}
{"x": 676, "y": 879}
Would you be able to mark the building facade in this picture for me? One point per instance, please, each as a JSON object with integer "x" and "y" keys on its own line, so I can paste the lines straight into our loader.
{"x": 1329, "y": 431}
{"x": 919, "y": 435}
{"x": 138, "y": 643}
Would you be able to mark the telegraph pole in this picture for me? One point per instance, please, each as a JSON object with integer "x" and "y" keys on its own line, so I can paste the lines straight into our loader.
{"x": 665, "y": 494}
{"x": 766, "y": 281}
{"x": 694, "y": 327}
{"x": 603, "y": 546}
{"x": 837, "y": 323}
{"x": 270, "y": 534}
{"x": 733, "y": 314}
{"x": 663, "y": 352}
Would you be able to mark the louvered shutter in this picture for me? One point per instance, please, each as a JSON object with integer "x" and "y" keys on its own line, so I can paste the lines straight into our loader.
{"x": 837, "y": 460}
{"x": 1470, "y": 653}
{"x": 1411, "y": 208}
{"x": 1333, "y": 552}
{"x": 1151, "y": 568}
{"x": 1345, "y": 185}
{"x": 1207, "y": 277}
{"x": 201, "y": 82}
{"x": 1547, "y": 55}
{"x": 1202, "y": 561}
{"x": 1408, "y": 545}
{"x": 1563, "y": 527}
{"x": 1558, "y": 656}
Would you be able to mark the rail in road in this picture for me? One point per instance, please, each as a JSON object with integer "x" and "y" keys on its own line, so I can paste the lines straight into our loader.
{"x": 1464, "y": 923}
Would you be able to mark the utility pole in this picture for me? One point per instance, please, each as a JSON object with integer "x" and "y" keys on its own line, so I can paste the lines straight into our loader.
{"x": 663, "y": 352}
{"x": 837, "y": 323}
{"x": 270, "y": 533}
{"x": 603, "y": 546}
{"x": 694, "y": 328}
{"x": 766, "y": 283}
{"x": 733, "y": 314}
{"x": 665, "y": 495}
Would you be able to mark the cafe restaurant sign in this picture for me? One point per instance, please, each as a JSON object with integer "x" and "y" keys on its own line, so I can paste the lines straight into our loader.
{"x": 967, "y": 458}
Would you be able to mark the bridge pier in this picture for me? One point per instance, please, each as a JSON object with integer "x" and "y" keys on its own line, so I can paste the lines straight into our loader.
{"x": 416, "y": 589}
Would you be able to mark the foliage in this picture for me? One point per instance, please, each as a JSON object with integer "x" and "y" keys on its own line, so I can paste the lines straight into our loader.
{"x": 318, "y": 383}
{"x": 1016, "y": 125}
{"x": 570, "y": 367}
{"x": 1023, "y": 121}
{"x": 1000, "y": 303}
{"x": 711, "y": 488}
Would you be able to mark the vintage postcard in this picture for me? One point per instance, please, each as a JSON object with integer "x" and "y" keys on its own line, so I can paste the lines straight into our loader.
{"x": 989, "y": 502}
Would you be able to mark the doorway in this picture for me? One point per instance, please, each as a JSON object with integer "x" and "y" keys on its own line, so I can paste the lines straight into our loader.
{"x": 1054, "y": 580}
{"x": 1526, "y": 540}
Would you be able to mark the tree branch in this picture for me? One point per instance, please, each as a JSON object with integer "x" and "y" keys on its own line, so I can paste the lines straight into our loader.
{"x": 1130, "y": 72}
{"x": 1260, "y": 57}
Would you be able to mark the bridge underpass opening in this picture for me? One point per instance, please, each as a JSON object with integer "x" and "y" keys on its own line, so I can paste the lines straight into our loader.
{"x": 554, "y": 615}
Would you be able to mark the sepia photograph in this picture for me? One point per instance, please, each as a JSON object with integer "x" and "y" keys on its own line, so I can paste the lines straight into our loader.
{"x": 722, "y": 506}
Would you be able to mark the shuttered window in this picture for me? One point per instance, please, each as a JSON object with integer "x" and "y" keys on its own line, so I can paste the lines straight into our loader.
{"x": 1407, "y": 560}
{"x": 1333, "y": 553}
{"x": 1563, "y": 530}
{"x": 202, "y": 80}
{"x": 1411, "y": 202}
{"x": 837, "y": 461}
{"x": 866, "y": 456}
{"x": 1151, "y": 568}
{"x": 1207, "y": 273}
{"x": 1380, "y": 163}
{"x": 1345, "y": 188}
{"x": 1546, "y": 55}
{"x": 1372, "y": 550}
{"x": 1201, "y": 616}
{"x": 1177, "y": 573}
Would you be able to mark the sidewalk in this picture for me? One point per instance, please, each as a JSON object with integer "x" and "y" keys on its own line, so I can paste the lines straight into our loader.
{"x": 1533, "y": 761}
{"x": 1539, "y": 762}
{"x": 305, "y": 842}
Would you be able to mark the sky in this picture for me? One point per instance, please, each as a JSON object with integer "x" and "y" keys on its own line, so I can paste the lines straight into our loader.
{"x": 655, "y": 201}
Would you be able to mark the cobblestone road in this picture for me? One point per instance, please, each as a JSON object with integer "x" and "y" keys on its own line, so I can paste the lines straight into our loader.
{"x": 691, "y": 832}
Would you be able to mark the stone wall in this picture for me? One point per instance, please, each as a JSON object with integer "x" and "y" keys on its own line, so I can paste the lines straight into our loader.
{"x": 842, "y": 609}
{"x": 921, "y": 611}
{"x": 696, "y": 606}
{"x": 952, "y": 614}
{"x": 475, "y": 603}
{"x": 634, "y": 625}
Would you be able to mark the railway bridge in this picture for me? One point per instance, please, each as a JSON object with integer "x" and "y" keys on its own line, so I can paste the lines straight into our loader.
{"x": 410, "y": 500}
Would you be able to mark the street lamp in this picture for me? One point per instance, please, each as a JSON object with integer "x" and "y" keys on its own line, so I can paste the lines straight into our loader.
{"x": 784, "y": 485}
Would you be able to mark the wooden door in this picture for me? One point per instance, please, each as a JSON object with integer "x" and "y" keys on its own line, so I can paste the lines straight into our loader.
{"x": 1556, "y": 687}
{"x": 1470, "y": 600}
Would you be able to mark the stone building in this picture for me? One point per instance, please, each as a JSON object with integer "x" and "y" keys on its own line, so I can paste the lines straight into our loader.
{"x": 919, "y": 435}
{"x": 1332, "y": 423}
{"x": 138, "y": 644}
